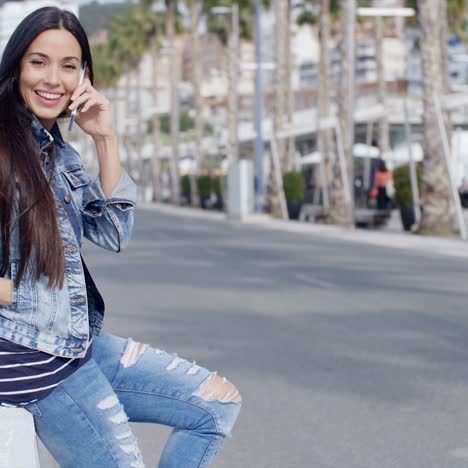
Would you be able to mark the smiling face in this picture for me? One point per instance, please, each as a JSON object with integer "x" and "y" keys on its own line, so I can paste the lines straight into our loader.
{"x": 49, "y": 73}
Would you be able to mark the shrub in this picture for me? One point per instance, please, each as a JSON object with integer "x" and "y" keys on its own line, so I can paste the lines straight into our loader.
{"x": 186, "y": 123}
{"x": 402, "y": 183}
{"x": 216, "y": 185}
{"x": 185, "y": 184}
{"x": 204, "y": 185}
{"x": 294, "y": 186}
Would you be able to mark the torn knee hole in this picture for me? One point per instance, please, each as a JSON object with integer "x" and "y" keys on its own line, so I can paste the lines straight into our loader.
{"x": 132, "y": 353}
{"x": 217, "y": 388}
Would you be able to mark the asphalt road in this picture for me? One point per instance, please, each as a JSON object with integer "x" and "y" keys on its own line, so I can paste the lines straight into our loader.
{"x": 346, "y": 355}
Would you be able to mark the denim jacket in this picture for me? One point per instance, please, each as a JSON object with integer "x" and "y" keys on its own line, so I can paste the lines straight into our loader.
{"x": 59, "y": 321}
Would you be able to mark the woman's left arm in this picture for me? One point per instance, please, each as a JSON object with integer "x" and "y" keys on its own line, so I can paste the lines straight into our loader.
{"x": 107, "y": 206}
{"x": 110, "y": 169}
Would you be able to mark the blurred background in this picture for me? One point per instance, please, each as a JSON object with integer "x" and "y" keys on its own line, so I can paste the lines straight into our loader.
{"x": 349, "y": 347}
{"x": 310, "y": 95}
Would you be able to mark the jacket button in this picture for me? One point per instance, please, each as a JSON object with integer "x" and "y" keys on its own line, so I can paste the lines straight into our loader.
{"x": 67, "y": 198}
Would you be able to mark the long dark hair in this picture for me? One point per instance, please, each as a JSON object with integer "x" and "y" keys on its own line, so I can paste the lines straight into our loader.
{"x": 40, "y": 245}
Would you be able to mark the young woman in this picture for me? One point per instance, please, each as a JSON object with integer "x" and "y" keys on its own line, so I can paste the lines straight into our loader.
{"x": 82, "y": 386}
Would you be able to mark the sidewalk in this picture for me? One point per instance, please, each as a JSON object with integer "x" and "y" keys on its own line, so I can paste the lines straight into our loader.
{"x": 391, "y": 236}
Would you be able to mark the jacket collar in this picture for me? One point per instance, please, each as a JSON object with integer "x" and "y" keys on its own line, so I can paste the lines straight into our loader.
{"x": 44, "y": 138}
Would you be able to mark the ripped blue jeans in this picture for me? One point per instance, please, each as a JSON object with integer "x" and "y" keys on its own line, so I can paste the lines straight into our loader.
{"x": 84, "y": 421}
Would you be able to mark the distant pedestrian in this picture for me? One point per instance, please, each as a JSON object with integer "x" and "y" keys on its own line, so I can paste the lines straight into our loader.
{"x": 82, "y": 386}
{"x": 383, "y": 186}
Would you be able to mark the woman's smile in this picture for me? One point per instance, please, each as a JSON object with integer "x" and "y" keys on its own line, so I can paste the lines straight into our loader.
{"x": 48, "y": 98}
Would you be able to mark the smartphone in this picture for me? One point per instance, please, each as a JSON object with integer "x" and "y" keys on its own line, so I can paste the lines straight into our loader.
{"x": 73, "y": 114}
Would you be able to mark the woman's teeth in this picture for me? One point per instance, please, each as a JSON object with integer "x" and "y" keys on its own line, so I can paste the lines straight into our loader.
{"x": 50, "y": 96}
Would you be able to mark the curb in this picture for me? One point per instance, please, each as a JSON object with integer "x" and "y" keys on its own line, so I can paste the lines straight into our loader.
{"x": 452, "y": 247}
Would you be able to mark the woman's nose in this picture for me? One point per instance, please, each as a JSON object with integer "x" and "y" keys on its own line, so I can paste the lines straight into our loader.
{"x": 52, "y": 76}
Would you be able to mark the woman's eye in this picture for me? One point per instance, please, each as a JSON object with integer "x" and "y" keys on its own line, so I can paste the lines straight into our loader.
{"x": 37, "y": 62}
{"x": 69, "y": 66}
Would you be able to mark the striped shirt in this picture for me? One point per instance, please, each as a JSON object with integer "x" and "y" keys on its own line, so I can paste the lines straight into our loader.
{"x": 28, "y": 375}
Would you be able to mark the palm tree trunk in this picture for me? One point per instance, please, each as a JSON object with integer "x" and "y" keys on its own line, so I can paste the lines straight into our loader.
{"x": 342, "y": 212}
{"x": 273, "y": 192}
{"x": 280, "y": 82}
{"x": 437, "y": 210}
{"x": 174, "y": 74}
{"x": 444, "y": 38}
{"x": 381, "y": 87}
{"x": 196, "y": 79}
{"x": 233, "y": 74}
{"x": 291, "y": 146}
{"x": 444, "y": 62}
{"x": 324, "y": 98}
{"x": 155, "y": 160}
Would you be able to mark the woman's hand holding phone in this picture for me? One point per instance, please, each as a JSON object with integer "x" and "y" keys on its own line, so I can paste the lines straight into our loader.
{"x": 76, "y": 110}
{"x": 95, "y": 116}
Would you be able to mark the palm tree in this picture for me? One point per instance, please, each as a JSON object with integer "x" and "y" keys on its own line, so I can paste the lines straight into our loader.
{"x": 128, "y": 37}
{"x": 229, "y": 36}
{"x": 106, "y": 70}
{"x": 156, "y": 24}
{"x": 273, "y": 201}
{"x": 324, "y": 100}
{"x": 219, "y": 27}
{"x": 233, "y": 73}
{"x": 107, "y": 73}
{"x": 171, "y": 6}
{"x": 283, "y": 89}
{"x": 155, "y": 127}
{"x": 341, "y": 203}
{"x": 290, "y": 98}
{"x": 332, "y": 177}
{"x": 384, "y": 144}
{"x": 437, "y": 210}
{"x": 280, "y": 81}
{"x": 195, "y": 10}
{"x": 156, "y": 27}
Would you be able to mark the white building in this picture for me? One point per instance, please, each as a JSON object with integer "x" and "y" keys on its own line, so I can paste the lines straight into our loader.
{"x": 12, "y": 13}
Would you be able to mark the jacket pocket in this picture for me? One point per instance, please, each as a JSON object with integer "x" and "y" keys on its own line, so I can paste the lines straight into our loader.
{"x": 74, "y": 181}
{"x": 76, "y": 177}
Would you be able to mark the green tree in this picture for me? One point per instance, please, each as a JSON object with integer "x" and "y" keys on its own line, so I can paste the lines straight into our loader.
{"x": 107, "y": 71}
{"x": 229, "y": 37}
{"x": 195, "y": 8}
{"x": 170, "y": 32}
{"x": 156, "y": 30}
{"x": 128, "y": 40}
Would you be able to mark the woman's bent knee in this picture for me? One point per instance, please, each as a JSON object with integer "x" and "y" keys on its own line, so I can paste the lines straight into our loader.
{"x": 226, "y": 399}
